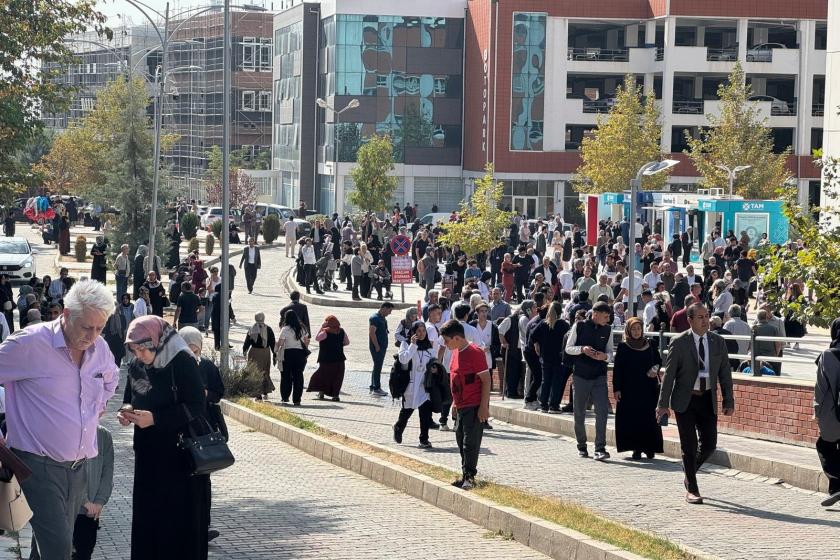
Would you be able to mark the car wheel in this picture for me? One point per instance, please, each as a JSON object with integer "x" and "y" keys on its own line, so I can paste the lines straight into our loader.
{"x": 750, "y": 58}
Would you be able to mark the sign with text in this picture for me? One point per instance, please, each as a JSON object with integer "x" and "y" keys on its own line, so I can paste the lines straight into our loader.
{"x": 401, "y": 269}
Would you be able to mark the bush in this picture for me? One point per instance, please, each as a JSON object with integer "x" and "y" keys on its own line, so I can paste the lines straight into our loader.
{"x": 193, "y": 245}
{"x": 216, "y": 228}
{"x": 81, "y": 248}
{"x": 241, "y": 380}
{"x": 189, "y": 225}
{"x": 271, "y": 228}
{"x": 209, "y": 244}
{"x": 316, "y": 218}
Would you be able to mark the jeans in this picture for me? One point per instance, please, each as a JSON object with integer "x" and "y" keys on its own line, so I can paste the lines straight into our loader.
{"x": 309, "y": 277}
{"x": 357, "y": 280}
{"x": 468, "y": 433}
{"x": 555, "y": 377}
{"x": 698, "y": 419}
{"x": 122, "y": 285}
{"x": 378, "y": 360}
{"x": 208, "y": 311}
{"x": 597, "y": 389}
{"x": 425, "y": 412}
{"x": 84, "y": 537}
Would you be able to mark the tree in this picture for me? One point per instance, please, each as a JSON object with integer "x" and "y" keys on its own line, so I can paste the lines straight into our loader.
{"x": 31, "y": 54}
{"x": 623, "y": 142}
{"x": 73, "y": 163}
{"x": 481, "y": 222}
{"x": 374, "y": 187}
{"x": 738, "y": 136}
{"x": 243, "y": 190}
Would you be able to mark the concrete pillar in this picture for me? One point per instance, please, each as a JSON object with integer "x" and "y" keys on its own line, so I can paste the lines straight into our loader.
{"x": 698, "y": 87}
{"x": 556, "y": 72}
{"x": 804, "y": 88}
{"x": 408, "y": 182}
{"x": 701, "y": 36}
{"x": 743, "y": 25}
{"x": 668, "y": 83}
{"x": 631, "y": 36}
{"x": 650, "y": 32}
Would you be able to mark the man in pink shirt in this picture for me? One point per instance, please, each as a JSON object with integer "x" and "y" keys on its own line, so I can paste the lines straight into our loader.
{"x": 58, "y": 378}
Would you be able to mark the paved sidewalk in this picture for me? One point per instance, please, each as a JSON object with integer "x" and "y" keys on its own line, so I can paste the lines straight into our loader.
{"x": 742, "y": 519}
{"x": 277, "y": 502}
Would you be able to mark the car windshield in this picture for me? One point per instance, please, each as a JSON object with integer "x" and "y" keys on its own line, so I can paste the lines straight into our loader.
{"x": 287, "y": 214}
{"x": 14, "y": 248}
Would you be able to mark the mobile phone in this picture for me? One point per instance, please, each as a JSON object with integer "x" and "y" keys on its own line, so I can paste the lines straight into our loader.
{"x": 126, "y": 408}
{"x": 663, "y": 420}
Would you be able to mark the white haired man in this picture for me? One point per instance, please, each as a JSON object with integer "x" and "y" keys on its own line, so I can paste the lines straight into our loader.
{"x": 52, "y": 409}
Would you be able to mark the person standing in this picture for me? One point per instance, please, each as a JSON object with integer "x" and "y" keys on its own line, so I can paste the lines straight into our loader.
{"x": 115, "y": 328}
{"x": 122, "y": 270}
{"x": 259, "y": 346}
{"x": 378, "y": 345}
{"x": 99, "y": 472}
{"x": 291, "y": 351}
{"x": 252, "y": 262}
{"x": 636, "y": 390}
{"x": 827, "y": 413}
{"x": 299, "y": 308}
{"x": 64, "y": 236}
{"x": 549, "y": 338}
{"x": 157, "y": 293}
{"x": 415, "y": 354}
{"x": 308, "y": 254}
{"x": 290, "y": 227}
{"x": 329, "y": 376}
{"x": 137, "y": 270}
{"x": 696, "y": 363}
{"x": 188, "y": 307}
{"x": 53, "y": 406}
{"x": 591, "y": 345}
{"x": 99, "y": 266}
{"x": 470, "y": 384}
{"x": 169, "y": 509}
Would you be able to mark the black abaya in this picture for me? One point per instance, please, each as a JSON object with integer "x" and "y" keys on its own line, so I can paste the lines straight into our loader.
{"x": 636, "y": 426}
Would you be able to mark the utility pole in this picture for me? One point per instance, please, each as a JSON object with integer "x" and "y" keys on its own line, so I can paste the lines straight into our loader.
{"x": 224, "y": 300}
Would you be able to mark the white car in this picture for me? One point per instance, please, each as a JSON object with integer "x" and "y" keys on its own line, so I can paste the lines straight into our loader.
{"x": 215, "y": 213}
{"x": 763, "y": 52}
{"x": 17, "y": 259}
{"x": 777, "y": 106}
{"x": 284, "y": 214}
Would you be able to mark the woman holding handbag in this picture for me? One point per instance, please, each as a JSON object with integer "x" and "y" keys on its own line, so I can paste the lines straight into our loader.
{"x": 163, "y": 395}
{"x": 292, "y": 350}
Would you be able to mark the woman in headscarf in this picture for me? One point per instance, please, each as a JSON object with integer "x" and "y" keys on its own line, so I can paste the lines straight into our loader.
{"x": 99, "y": 266}
{"x": 7, "y": 302}
{"x": 415, "y": 354}
{"x": 259, "y": 347}
{"x": 139, "y": 275}
{"x": 329, "y": 376}
{"x": 827, "y": 413}
{"x": 199, "y": 275}
{"x": 114, "y": 332}
{"x": 157, "y": 294}
{"x": 292, "y": 350}
{"x": 165, "y": 393}
{"x": 636, "y": 390}
{"x": 403, "y": 329}
{"x": 64, "y": 236}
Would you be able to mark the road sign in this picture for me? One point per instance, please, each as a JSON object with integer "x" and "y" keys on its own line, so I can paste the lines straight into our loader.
{"x": 401, "y": 245}
{"x": 401, "y": 269}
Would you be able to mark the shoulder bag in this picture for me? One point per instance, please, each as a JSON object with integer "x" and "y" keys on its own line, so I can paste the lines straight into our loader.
{"x": 206, "y": 452}
{"x": 14, "y": 509}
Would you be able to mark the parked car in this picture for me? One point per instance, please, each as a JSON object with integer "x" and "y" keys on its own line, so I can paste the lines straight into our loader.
{"x": 435, "y": 217}
{"x": 763, "y": 52}
{"x": 777, "y": 106}
{"x": 17, "y": 259}
{"x": 284, "y": 213}
{"x": 215, "y": 213}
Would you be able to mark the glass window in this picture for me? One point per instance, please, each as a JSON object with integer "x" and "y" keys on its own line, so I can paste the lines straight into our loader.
{"x": 248, "y": 100}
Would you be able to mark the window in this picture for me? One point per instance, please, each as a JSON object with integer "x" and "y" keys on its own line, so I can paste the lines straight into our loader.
{"x": 264, "y": 101}
{"x": 265, "y": 55}
{"x": 249, "y": 54}
{"x": 87, "y": 103}
{"x": 248, "y": 101}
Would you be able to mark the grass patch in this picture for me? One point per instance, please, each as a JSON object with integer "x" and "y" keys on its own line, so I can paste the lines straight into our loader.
{"x": 562, "y": 512}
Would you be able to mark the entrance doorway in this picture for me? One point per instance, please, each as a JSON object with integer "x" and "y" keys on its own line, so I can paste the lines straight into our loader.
{"x": 525, "y": 205}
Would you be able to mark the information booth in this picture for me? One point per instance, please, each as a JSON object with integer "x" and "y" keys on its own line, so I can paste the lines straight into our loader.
{"x": 756, "y": 217}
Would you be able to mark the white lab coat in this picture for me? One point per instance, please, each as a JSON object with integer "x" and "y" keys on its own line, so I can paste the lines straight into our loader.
{"x": 415, "y": 394}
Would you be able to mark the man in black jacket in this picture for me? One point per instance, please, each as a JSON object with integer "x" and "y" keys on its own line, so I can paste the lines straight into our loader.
{"x": 252, "y": 262}
{"x": 299, "y": 308}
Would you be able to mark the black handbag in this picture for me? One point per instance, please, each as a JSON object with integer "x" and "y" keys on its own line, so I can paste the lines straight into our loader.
{"x": 206, "y": 452}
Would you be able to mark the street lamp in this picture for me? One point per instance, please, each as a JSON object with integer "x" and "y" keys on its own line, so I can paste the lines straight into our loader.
{"x": 324, "y": 105}
{"x": 731, "y": 173}
{"x": 648, "y": 169}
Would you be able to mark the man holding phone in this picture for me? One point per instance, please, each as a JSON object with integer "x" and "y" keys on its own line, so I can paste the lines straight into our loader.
{"x": 470, "y": 383}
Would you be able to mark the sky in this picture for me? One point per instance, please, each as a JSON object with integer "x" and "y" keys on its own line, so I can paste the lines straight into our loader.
{"x": 113, "y": 8}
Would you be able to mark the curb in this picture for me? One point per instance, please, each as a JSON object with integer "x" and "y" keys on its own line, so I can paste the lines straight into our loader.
{"x": 543, "y": 536}
{"x": 806, "y": 477}
{"x": 291, "y": 285}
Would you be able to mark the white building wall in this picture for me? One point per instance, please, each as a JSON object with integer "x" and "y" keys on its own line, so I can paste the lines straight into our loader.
{"x": 831, "y": 120}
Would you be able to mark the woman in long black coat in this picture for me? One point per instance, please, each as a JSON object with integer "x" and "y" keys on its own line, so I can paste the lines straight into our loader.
{"x": 636, "y": 389}
{"x": 138, "y": 270}
{"x": 169, "y": 513}
{"x": 99, "y": 266}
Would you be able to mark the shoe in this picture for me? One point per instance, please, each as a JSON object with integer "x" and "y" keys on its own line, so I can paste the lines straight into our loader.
{"x": 434, "y": 426}
{"x": 458, "y": 483}
{"x": 284, "y": 401}
{"x": 637, "y": 456}
{"x": 378, "y": 298}
{"x": 336, "y": 399}
{"x": 554, "y": 411}
{"x": 601, "y": 456}
{"x": 543, "y": 409}
{"x": 424, "y": 445}
{"x": 531, "y": 405}
{"x": 831, "y": 500}
{"x": 397, "y": 434}
{"x": 379, "y": 393}
{"x": 650, "y": 455}
{"x": 567, "y": 408}
{"x": 444, "y": 427}
{"x": 320, "y": 396}
{"x": 319, "y": 292}
{"x": 583, "y": 453}
{"x": 486, "y": 425}
{"x": 212, "y": 534}
{"x": 693, "y": 499}
{"x": 296, "y": 404}
{"x": 469, "y": 483}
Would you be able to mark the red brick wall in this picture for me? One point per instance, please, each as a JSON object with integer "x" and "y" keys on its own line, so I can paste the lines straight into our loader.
{"x": 799, "y": 9}
{"x": 477, "y": 38}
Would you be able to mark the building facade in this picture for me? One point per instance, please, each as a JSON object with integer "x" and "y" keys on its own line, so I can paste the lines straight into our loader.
{"x": 831, "y": 134}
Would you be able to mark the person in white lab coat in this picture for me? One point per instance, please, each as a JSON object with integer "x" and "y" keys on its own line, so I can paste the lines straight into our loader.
{"x": 416, "y": 352}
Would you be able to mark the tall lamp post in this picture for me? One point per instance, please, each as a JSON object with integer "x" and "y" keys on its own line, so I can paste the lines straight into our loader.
{"x": 731, "y": 173}
{"x": 352, "y": 104}
{"x": 648, "y": 169}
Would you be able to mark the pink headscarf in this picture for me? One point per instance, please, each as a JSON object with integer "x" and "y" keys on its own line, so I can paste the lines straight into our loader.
{"x": 153, "y": 333}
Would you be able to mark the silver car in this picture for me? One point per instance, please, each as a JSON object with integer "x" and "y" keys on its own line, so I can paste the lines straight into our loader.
{"x": 17, "y": 259}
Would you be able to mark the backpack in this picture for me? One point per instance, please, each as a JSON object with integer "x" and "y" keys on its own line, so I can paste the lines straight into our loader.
{"x": 399, "y": 379}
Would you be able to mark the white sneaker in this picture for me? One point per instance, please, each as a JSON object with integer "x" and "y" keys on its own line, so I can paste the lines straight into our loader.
{"x": 444, "y": 427}
{"x": 534, "y": 405}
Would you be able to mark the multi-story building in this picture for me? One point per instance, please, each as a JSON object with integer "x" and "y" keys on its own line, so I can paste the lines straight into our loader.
{"x": 403, "y": 64}
{"x": 831, "y": 142}
{"x": 538, "y": 73}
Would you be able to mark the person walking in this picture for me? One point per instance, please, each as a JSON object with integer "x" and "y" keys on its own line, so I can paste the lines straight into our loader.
{"x": 259, "y": 346}
{"x": 99, "y": 473}
{"x": 329, "y": 376}
{"x": 636, "y": 391}
{"x": 696, "y": 363}
{"x": 251, "y": 260}
{"x": 415, "y": 355}
{"x": 99, "y": 266}
{"x": 64, "y": 236}
{"x": 157, "y": 293}
{"x": 291, "y": 352}
{"x": 165, "y": 393}
{"x": 122, "y": 270}
{"x": 827, "y": 413}
{"x": 470, "y": 386}
{"x": 137, "y": 269}
{"x": 188, "y": 307}
{"x": 53, "y": 405}
{"x": 378, "y": 345}
{"x": 591, "y": 345}
{"x": 299, "y": 308}
{"x": 290, "y": 228}
{"x": 309, "y": 261}
{"x": 549, "y": 337}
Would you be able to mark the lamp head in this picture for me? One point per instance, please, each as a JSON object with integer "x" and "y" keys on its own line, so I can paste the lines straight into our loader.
{"x": 353, "y": 104}
{"x": 321, "y": 103}
{"x": 660, "y": 166}
{"x": 742, "y": 168}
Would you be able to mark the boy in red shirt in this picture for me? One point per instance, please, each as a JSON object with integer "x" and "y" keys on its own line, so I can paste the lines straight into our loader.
{"x": 470, "y": 383}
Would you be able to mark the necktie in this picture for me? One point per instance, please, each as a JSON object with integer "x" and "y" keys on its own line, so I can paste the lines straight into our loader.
{"x": 702, "y": 353}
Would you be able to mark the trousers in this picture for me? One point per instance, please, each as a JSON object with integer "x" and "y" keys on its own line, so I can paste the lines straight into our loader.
{"x": 555, "y": 377}
{"x": 291, "y": 378}
{"x": 534, "y": 382}
{"x": 84, "y": 537}
{"x": 376, "y": 371}
{"x": 425, "y": 413}
{"x": 513, "y": 372}
{"x": 250, "y": 276}
{"x": 699, "y": 419}
{"x": 597, "y": 389}
{"x": 829, "y": 454}
{"x": 468, "y": 433}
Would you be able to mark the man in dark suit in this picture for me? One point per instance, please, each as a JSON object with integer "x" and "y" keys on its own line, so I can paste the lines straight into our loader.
{"x": 252, "y": 262}
{"x": 696, "y": 363}
{"x": 299, "y": 308}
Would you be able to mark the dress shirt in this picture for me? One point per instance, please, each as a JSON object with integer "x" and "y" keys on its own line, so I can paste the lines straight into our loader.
{"x": 52, "y": 405}
{"x": 652, "y": 279}
{"x": 252, "y": 254}
{"x": 704, "y": 366}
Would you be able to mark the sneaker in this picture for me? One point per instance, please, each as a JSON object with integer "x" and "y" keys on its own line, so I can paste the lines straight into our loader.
{"x": 486, "y": 425}
{"x": 379, "y": 393}
{"x": 532, "y": 405}
{"x": 469, "y": 483}
{"x": 458, "y": 483}
{"x": 397, "y": 434}
{"x": 212, "y": 534}
{"x": 434, "y": 426}
{"x": 544, "y": 409}
{"x": 601, "y": 455}
{"x": 583, "y": 453}
{"x": 444, "y": 427}
{"x": 554, "y": 411}
{"x": 424, "y": 445}
{"x": 831, "y": 500}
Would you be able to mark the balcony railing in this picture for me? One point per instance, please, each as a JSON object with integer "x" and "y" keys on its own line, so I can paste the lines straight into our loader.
{"x": 688, "y": 106}
{"x": 660, "y": 53}
{"x": 572, "y": 146}
{"x": 729, "y": 54}
{"x": 781, "y": 108}
{"x": 598, "y": 106}
{"x": 818, "y": 110}
{"x": 598, "y": 54}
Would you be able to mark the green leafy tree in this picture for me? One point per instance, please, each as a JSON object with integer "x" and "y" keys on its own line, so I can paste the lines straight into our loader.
{"x": 31, "y": 54}
{"x": 482, "y": 222}
{"x": 626, "y": 139}
{"x": 374, "y": 187}
{"x": 738, "y": 136}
